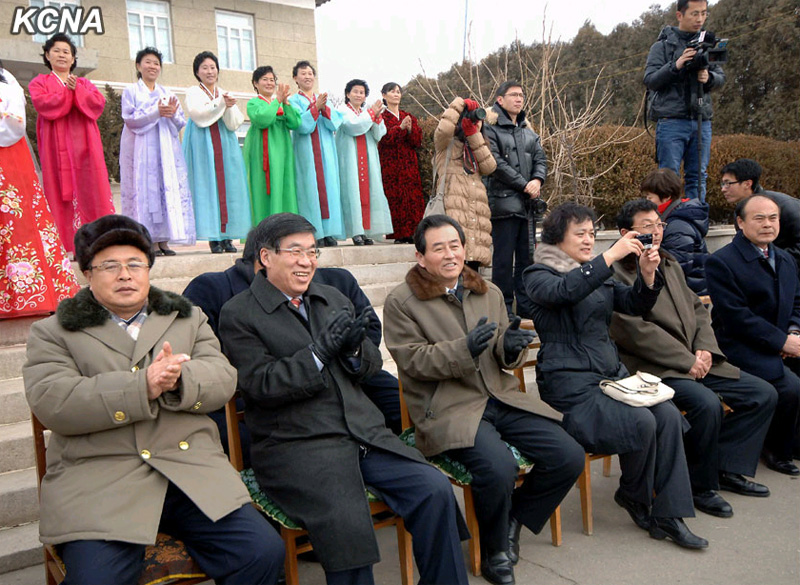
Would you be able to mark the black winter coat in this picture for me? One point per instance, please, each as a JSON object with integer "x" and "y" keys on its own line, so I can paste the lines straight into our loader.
{"x": 520, "y": 159}
{"x": 789, "y": 236}
{"x": 672, "y": 87}
{"x": 684, "y": 238}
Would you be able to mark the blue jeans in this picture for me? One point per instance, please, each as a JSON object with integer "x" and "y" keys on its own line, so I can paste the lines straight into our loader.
{"x": 676, "y": 142}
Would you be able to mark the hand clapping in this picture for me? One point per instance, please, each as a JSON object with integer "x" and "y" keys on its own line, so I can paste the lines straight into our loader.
{"x": 164, "y": 372}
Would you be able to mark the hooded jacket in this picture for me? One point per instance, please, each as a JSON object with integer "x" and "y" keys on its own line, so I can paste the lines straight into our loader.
{"x": 672, "y": 87}
{"x": 684, "y": 238}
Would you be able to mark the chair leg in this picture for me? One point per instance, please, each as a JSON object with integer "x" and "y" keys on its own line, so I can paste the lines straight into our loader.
{"x": 290, "y": 561}
{"x": 607, "y": 466}
{"x": 555, "y": 527}
{"x": 585, "y": 487}
{"x": 472, "y": 524}
{"x": 406, "y": 553}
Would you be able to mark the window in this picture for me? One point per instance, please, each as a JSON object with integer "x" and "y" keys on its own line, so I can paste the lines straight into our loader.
{"x": 71, "y": 4}
{"x": 235, "y": 41}
{"x": 149, "y": 26}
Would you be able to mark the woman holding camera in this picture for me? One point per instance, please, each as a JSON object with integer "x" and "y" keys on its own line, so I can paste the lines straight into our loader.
{"x": 573, "y": 298}
{"x": 462, "y": 158}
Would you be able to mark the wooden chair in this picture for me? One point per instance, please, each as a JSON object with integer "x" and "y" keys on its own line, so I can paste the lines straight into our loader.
{"x": 179, "y": 570}
{"x": 382, "y": 515}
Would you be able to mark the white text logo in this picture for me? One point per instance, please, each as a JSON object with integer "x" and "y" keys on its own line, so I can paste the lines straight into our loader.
{"x": 74, "y": 20}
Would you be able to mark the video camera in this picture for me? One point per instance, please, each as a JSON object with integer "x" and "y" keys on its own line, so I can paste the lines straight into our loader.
{"x": 709, "y": 50}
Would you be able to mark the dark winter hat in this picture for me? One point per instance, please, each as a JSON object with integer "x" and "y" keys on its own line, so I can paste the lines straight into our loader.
{"x": 111, "y": 230}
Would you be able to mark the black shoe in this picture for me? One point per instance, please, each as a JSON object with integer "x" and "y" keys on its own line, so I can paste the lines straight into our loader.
{"x": 227, "y": 246}
{"x": 330, "y": 241}
{"x": 736, "y": 483}
{"x": 712, "y": 503}
{"x": 514, "y": 528}
{"x": 165, "y": 249}
{"x": 358, "y": 240}
{"x": 368, "y": 241}
{"x": 216, "y": 247}
{"x": 638, "y": 511}
{"x": 675, "y": 529}
{"x": 321, "y": 243}
{"x": 496, "y": 567}
{"x": 785, "y": 467}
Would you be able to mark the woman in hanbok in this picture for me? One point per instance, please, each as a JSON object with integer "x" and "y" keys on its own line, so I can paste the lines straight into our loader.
{"x": 154, "y": 186}
{"x": 400, "y": 166}
{"x": 70, "y": 150}
{"x": 268, "y": 154}
{"x": 214, "y": 162}
{"x": 35, "y": 273}
{"x": 364, "y": 205}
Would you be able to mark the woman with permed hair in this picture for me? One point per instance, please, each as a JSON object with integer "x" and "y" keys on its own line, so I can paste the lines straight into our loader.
{"x": 214, "y": 162}
{"x": 70, "y": 149}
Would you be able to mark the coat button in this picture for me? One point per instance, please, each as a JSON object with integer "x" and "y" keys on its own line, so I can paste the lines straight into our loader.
{"x": 183, "y": 445}
{"x": 119, "y": 416}
{"x": 135, "y": 369}
{"x": 145, "y": 454}
{"x": 197, "y": 405}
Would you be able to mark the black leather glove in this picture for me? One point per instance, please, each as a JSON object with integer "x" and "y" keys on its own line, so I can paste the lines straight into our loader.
{"x": 516, "y": 340}
{"x": 478, "y": 338}
{"x": 328, "y": 342}
{"x": 356, "y": 332}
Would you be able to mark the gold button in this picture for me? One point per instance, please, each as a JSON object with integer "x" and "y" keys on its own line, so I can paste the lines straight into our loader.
{"x": 135, "y": 369}
{"x": 145, "y": 454}
{"x": 197, "y": 405}
{"x": 183, "y": 445}
{"x": 119, "y": 416}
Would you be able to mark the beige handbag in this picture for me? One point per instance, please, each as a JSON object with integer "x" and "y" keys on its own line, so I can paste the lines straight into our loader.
{"x": 641, "y": 389}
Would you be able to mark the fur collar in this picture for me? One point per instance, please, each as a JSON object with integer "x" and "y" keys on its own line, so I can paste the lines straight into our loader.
{"x": 82, "y": 310}
{"x": 554, "y": 257}
{"x": 425, "y": 287}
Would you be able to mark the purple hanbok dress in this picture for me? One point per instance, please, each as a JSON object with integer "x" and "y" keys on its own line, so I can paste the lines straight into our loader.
{"x": 154, "y": 185}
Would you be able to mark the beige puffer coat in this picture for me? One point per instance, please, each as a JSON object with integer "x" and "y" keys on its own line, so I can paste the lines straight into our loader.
{"x": 465, "y": 197}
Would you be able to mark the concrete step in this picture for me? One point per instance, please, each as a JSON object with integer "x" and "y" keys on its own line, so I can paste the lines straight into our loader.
{"x": 16, "y": 446}
{"x": 19, "y": 500}
{"x": 12, "y": 359}
{"x": 15, "y": 331}
{"x": 393, "y": 273}
{"x": 13, "y": 406}
{"x": 20, "y": 548}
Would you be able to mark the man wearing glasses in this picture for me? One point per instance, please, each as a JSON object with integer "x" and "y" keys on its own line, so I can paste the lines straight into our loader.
{"x": 675, "y": 341}
{"x": 520, "y": 174}
{"x": 315, "y": 438}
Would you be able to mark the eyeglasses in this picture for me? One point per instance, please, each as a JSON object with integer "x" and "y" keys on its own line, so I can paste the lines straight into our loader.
{"x": 649, "y": 227}
{"x": 297, "y": 253}
{"x": 726, "y": 184}
{"x": 515, "y": 94}
{"x": 114, "y": 268}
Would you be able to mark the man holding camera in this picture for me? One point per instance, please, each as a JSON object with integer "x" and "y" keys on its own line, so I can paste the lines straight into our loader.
{"x": 514, "y": 189}
{"x": 679, "y": 74}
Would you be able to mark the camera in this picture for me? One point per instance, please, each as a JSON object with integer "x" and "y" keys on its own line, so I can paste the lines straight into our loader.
{"x": 538, "y": 206}
{"x": 709, "y": 50}
{"x": 646, "y": 240}
{"x": 475, "y": 116}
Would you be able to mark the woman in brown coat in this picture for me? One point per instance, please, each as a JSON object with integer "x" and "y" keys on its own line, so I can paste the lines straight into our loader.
{"x": 462, "y": 159}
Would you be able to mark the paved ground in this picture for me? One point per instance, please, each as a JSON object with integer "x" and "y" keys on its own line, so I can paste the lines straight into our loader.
{"x": 759, "y": 545}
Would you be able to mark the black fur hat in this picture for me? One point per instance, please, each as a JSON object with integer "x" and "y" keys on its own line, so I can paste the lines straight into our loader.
{"x": 111, "y": 230}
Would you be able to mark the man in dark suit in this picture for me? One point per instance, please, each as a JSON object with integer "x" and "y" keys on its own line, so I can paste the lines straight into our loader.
{"x": 316, "y": 440}
{"x": 756, "y": 316}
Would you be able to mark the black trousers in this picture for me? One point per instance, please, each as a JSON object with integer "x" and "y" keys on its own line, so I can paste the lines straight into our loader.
{"x": 239, "y": 549}
{"x": 781, "y": 437}
{"x": 718, "y": 443}
{"x": 558, "y": 461}
{"x": 511, "y": 256}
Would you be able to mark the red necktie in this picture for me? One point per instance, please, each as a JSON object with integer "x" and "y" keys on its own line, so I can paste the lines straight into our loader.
{"x": 297, "y": 301}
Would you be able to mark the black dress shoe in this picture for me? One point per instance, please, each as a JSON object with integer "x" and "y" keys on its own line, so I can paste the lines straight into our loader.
{"x": 781, "y": 466}
{"x": 358, "y": 240}
{"x": 330, "y": 241}
{"x": 712, "y": 503}
{"x": 638, "y": 511}
{"x": 227, "y": 246}
{"x": 216, "y": 247}
{"x": 736, "y": 483}
{"x": 676, "y": 530}
{"x": 368, "y": 241}
{"x": 321, "y": 243}
{"x": 165, "y": 249}
{"x": 514, "y": 528}
{"x": 496, "y": 567}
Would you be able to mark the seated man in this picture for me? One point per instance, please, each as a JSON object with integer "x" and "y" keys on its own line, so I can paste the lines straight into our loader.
{"x": 448, "y": 332}
{"x": 123, "y": 375}
{"x": 686, "y": 224}
{"x": 674, "y": 341}
{"x": 755, "y": 293}
{"x": 316, "y": 439}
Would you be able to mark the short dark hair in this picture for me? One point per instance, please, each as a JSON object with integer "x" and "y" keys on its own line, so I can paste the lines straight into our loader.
{"x": 739, "y": 211}
{"x": 555, "y": 224}
{"x": 62, "y": 38}
{"x": 198, "y": 60}
{"x": 148, "y": 51}
{"x": 431, "y": 222}
{"x": 744, "y": 169}
{"x": 249, "y": 251}
{"x": 302, "y": 65}
{"x": 261, "y": 72}
{"x": 351, "y": 84}
{"x": 629, "y": 210}
{"x": 505, "y": 86}
{"x": 684, "y": 4}
{"x": 270, "y": 231}
{"x": 387, "y": 87}
{"x": 664, "y": 183}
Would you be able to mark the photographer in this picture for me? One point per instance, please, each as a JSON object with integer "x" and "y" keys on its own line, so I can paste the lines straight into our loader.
{"x": 513, "y": 189}
{"x": 680, "y": 76}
